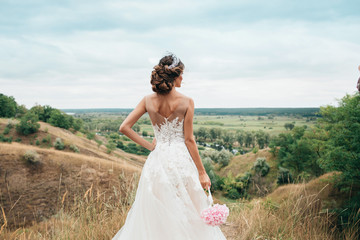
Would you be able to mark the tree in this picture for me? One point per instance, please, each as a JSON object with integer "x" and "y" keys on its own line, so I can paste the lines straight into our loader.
{"x": 28, "y": 124}
{"x": 60, "y": 119}
{"x": 202, "y": 133}
{"x": 215, "y": 133}
{"x": 262, "y": 138}
{"x": 297, "y": 152}
{"x": 43, "y": 112}
{"x": 223, "y": 157}
{"x": 342, "y": 149}
{"x": 38, "y": 110}
{"x": 289, "y": 126}
{"x": 228, "y": 138}
{"x": 8, "y": 106}
{"x": 20, "y": 111}
{"x": 284, "y": 176}
{"x": 78, "y": 124}
{"x": 240, "y": 137}
{"x": 249, "y": 139}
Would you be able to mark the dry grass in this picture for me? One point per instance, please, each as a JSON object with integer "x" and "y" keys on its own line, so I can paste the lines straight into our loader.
{"x": 89, "y": 215}
{"x": 290, "y": 212}
{"x": 244, "y": 163}
{"x": 30, "y": 193}
{"x": 259, "y": 186}
{"x": 296, "y": 214}
{"x": 87, "y": 147}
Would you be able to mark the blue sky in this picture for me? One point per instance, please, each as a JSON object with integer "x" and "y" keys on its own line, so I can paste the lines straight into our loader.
{"x": 85, "y": 54}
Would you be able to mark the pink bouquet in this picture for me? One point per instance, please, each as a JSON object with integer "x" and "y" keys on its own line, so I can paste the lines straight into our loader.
{"x": 215, "y": 215}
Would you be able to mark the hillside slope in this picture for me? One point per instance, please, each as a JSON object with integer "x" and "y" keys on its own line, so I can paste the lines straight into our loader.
{"x": 240, "y": 164}
{"x": 293, "y": 211}
{"x": 34, "y": 192}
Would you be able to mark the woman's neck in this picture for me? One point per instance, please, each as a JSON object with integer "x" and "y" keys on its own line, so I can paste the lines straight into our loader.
{"x": 171, "y": 94}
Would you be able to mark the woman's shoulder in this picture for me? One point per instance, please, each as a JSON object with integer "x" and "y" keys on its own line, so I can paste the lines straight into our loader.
{"x": 187, "y": 98}
{"x": 179, "y": 95}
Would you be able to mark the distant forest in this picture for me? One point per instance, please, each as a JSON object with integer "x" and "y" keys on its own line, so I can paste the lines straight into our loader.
{"x": 306, "y": 112}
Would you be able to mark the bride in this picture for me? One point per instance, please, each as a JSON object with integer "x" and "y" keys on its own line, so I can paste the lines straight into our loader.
{"x": 170, "y": 194}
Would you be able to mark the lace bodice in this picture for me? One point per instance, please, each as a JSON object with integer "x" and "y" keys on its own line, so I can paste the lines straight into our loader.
{"x": 169, "y": 131}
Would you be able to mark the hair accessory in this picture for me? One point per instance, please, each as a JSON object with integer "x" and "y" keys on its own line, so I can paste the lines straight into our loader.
{"x": 175, "y": 62}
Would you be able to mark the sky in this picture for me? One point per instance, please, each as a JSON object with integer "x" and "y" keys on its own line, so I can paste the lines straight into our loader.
{"x": 258, "y": 53}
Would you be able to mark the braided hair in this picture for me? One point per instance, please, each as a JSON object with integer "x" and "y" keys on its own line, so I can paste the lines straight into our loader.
{"x": 163, "y": 77}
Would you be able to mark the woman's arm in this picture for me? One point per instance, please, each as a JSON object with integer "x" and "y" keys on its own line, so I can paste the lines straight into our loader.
{"x": 191, "y": 145}
{"x": 130, "y": 120}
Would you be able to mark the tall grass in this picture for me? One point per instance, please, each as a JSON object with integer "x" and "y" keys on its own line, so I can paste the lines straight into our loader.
{"x": 99, "y": 215}
{"x": 298, "y": 216}
{"x": 89, "y": 215}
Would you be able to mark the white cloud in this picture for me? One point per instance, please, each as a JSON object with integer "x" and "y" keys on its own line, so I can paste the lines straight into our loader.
{"x": 102, "y": 54}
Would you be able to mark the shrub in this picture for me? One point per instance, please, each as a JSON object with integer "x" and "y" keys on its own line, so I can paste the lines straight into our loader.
{"x": 46, "y": 130}
{"x": 10, "y": 124}
{"x": 110, "y": 147}
{"x": 261, "y": 166}
{"x": 232, "y": 184}
{"x": 120, "y": 145}
{"x": 58, "y": 144}
{"x": 90, "y": 135}
{"x": 74, "y": 148}
{"x": 218, "y": 182}
{"x": 46, "y": 139}
{"x": 284, "y": 176}
{"x": 233, "y": 194}
{"x": 255, "y": 150}
{"x": 31, "y": 157}
{"x": 224, "y": 157}
{"x": 28, "y": 124}
{"x": 125, "y": 138}
{"x": 114, "y": 136}
{"x": 212, "y": 154}
{"x": 245, "y": 178}
{"x": 99, "y": 142}
{"x": 18, "y": 140}
{"x": 6, "y": 131}
{"x": 5, "y": 139}
{"x": 37, "y": 142}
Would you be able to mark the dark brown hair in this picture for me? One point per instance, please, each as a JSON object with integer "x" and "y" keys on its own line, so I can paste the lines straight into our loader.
{"x": 163, "y": 77}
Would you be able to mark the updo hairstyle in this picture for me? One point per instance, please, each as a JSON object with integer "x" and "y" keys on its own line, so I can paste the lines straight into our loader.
{"x": 163, "y": 77}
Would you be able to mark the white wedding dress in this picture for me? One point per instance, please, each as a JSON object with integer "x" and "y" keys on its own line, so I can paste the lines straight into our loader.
{"x": 169, "y": 197}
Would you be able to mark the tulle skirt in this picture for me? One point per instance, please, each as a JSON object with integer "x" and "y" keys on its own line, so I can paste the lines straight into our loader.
{"x": 169, "y": 199}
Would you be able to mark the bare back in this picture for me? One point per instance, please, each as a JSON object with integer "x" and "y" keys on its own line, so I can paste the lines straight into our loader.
{"x": 161, "y": 109}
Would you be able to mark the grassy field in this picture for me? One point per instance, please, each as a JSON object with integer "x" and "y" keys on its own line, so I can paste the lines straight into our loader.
{"x": 248, "y": 123}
